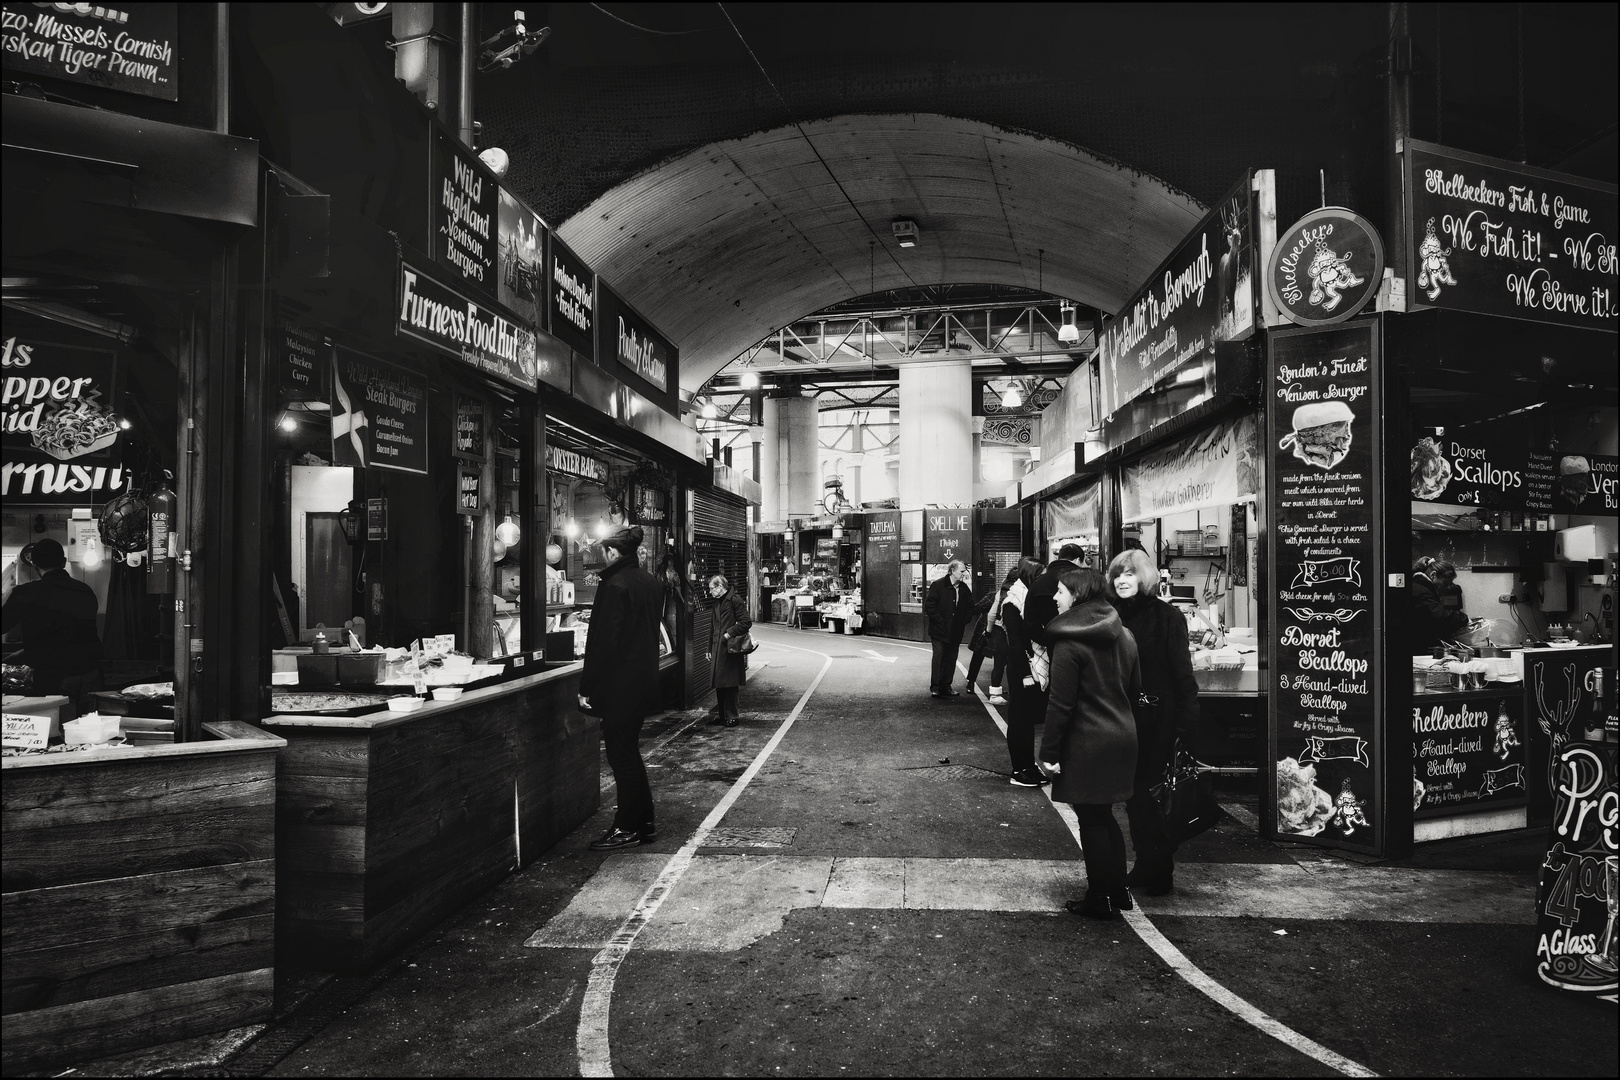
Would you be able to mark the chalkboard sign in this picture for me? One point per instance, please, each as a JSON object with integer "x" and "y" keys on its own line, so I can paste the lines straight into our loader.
{"x": 465, "y": 203}
{"x": 1575, "y": 898}
{"x": 379, "y": 414}
{"x": 1560, "y": 687}
{"x": 471, "y": 426}
{"x": 949, "y": 535}
{"x": 1468, "y": 751}
{"x": 1323, "y": 490}
{"x": 133, "y": 48}
{"x": 469, "y": 490}
{"x": 299, "y": 358}
{"x": 881, "y": 584}
{"x": 1502, "y": 238}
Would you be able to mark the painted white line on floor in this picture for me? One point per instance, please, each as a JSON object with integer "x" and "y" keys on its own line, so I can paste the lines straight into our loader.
{"x": 591, "y": 1039}
{"x": 1178, "y": 962}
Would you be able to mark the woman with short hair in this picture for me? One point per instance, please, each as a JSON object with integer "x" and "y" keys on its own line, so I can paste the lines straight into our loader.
{"x": 728, "y": 622}
{"x": 1089, "y": 748}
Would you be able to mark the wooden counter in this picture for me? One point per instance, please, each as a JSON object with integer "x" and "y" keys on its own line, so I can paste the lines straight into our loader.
{"x": 138, "y": 895}
{"x": 388, "y": 822}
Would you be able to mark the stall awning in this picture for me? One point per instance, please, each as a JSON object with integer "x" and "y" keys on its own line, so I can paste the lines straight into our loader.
{"x": 1216, "y": 467}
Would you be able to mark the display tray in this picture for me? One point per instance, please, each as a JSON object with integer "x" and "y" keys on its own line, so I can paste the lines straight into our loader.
{"x": 331, "y": 702}
{"x": 113, "y": 703}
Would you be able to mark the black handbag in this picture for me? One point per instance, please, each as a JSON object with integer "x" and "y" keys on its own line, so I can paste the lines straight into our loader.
{"x": 743, "y": 644}
{"x": 1186, "y": 797}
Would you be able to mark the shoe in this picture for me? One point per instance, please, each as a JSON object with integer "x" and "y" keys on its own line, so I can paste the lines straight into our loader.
{"x": 1096, "y": 905}
{"x": 1122, "y": 901}
{"x": 1152, "y": 878}
{"x": 935, "y": 693}
{"x": 1161, "y": 885}
{"x": 731, "y": 722}
{"x": 1028, "y": 778}
{"x": 950, "y": 693}
{"x": 616, "y": 840}
{"x": 649, "y": 833}
{"x": 997, "y": 699}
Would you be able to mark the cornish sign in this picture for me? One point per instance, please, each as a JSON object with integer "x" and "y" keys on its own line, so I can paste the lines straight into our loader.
{"x": 1500, "y": 238}
{"x": 1468, "y": 751}
{"x": 463, "y": 328}
{"x": 133, "y": 48}
{"x": 1322, "y": 478}
{"x": 570, "y": 298}
{"x": 58, "y": 422}
{"x": 630, "y": 347}
{"x": 379, "y": 414}
{"x": 1326, "y": 267}
{"x": 464, "y": 214}
{"x": 1203, "y": 293}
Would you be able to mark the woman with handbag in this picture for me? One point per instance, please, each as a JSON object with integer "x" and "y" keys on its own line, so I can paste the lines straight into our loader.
{"x": 1170, "y": 711}
{"x": 729, "y": 645}
{"x": 1089, "y": 748}
{"x": 1025, "y": 678}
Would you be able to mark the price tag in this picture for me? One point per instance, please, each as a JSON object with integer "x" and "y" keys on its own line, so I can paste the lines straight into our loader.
{"x": 418, "y": 668}
{"x": 27, "y": 732}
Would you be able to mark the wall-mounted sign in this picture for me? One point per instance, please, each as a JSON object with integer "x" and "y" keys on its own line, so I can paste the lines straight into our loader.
{"x": 379, "y": 414}
{"x": 376, "y": 519}
{"x": 1326, "y": 267}
{"x": 1575, "y": 898}
{"x": 1497, "y": 466}
{"x": 1468, "y": 751}
{"x": 469, "y": 493}
{"x": 465, "y": 202}
{"x": 948, "y": 535}
{"x": 133, "y": 48}
{"x": 1501, "y": 238}
{"x": 520, "y": 285}
{"x": 648, "y": 505}
{"x": 574, "y": 463}
{"x": 472, "y": 426}
{"x": 1326, "y": 606}
{"x": 298, "y": 355}
{"x": 630, "y": 347}
{"x": 570, "y": 298}
{"x": 56, "y": 413}
{"x": 1011, "y": 431}
{"x": 1215, "y": 468}
{"x": 1203, "y": 293}
{"x": 472, "y": 332}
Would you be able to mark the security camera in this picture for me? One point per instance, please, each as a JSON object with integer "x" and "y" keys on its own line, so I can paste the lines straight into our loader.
{"x": 506, "y": 47}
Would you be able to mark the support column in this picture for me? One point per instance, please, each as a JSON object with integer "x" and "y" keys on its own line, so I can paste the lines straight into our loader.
{"x": 936, "y": 434}
{"x": 787, "y": 456}
{"x": 857, "y": 455}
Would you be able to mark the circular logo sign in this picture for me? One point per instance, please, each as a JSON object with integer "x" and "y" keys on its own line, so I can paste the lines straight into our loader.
{"x": 1326, "y": 268}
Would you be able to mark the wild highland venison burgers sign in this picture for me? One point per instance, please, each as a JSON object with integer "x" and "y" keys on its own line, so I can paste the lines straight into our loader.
{"x": 1326, "y": 613}
{"x": 133, "y": 48}
{"x": 1501, "y": 238}
{"x": 1326, "y": 268}
{"x": 463, "y": 328}
{"x": 465, "y": 203}
{"x": 1202, "y": 294}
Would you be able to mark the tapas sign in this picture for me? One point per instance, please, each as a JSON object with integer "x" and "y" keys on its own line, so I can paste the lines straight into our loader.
{"x": 1326, "y": 268}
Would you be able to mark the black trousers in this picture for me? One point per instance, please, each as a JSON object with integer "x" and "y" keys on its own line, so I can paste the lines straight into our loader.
{"x": 621, "y": 743}
{"x": 1026, "y": 708}
{"x": 726, "y": 702}
{"x": 945, "y": 653}
{"x": 1102, "y": 845}
{"x": 1150, "y": 832}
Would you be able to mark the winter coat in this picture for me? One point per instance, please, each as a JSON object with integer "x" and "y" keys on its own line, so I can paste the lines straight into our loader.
{"x": 56, "y": 620}
{"x": 1428, "y": 621}
{"x": 1041, "y": 606}
{"x": 728, "y": 620}
{"x": 1161, "y": 648}
{"x": 621, "y": 650}
{"x": 948, "y": 607}
{"x": 1090, "y": 726}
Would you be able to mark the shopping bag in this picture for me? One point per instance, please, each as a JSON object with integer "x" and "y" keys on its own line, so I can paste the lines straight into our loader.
{"x": 1187, "y": 797}
{"x": 743, "y": 644}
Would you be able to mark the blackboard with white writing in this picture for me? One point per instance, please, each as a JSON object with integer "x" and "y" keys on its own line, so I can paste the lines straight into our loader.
{"x": 1468, "y": 751}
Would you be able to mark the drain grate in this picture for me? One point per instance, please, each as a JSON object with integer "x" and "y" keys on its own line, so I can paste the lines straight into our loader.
{"x": 764, "y": 837}
{"x": 954, "y": 772}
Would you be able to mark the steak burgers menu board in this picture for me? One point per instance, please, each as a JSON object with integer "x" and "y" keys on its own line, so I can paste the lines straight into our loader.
{"x": 1323, "y": 488}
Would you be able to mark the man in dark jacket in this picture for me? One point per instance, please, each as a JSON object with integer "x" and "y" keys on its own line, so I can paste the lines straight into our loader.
{"x": 948, "y": 606}
{"x": 1429, "y": 620}
{"x": 56, "y": 616}
{"x": 1042, "y": 602}
{"x": 620, "y": 681}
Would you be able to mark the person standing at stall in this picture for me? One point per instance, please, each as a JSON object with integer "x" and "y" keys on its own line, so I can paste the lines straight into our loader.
{"x": 1025, "y": 676}
{"x": 1089, "y": 747}
{"x": 1042, "y": 605}
{"x": 729, "y": 623}
{"x": 1167, "y": 710}
{"x": 55, "y": 618}
{"x": 619, "y": 682}
{"x": 949, "y": 606}
{"x": 1429, "y": 621}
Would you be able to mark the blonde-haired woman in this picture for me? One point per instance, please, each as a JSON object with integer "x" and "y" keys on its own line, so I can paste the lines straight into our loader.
{"x": 1168, "y": 711}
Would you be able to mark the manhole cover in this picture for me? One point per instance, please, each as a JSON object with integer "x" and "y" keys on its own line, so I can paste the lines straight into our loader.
{"x": 952, "y": 772}
{"x": 765, "y": 837}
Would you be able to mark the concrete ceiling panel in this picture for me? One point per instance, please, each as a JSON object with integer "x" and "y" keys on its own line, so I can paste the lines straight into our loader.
{"x": 723, "y": 244}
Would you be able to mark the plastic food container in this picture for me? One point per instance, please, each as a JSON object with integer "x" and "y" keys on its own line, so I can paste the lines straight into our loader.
{"x": 405, "y": 704}
{"x": 444, "y": 693}
{"x": 89, "y": 729}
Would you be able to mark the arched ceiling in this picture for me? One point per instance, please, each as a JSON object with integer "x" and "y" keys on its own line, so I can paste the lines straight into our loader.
{"x": 721, "y": 245}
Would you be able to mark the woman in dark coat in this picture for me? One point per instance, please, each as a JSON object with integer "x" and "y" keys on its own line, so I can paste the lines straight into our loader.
{"x": 1170, "y": 711}
{"x": 1025, "y": 694}
{"x": 729, "y": 621}
{"x": 1089, "y": 748}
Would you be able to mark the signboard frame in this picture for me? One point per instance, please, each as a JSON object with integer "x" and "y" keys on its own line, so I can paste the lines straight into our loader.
{"x": 471, "y": 426}
{"x": 564, "y": 301}
{"x": 451, "y": 316}
{"x": 1317, "y": 230}
{"x": 616, "y": 318}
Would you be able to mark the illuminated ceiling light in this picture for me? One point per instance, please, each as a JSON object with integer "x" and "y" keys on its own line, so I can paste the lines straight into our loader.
{"x": 906, "y": 233}
{"x": 287, "y": 423}
{"x": 571, "y": 529}
{"x": 749, "y": 379}
{"x": 1011, "y": 398}
{"x": 124, "y": 425}
{"x": 710, "y": 410}
{"x": 508, "y": 532}
{"x": 1068, "y": 333}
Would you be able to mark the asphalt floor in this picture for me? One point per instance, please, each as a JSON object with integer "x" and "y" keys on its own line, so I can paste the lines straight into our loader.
{"x": 864, "y": 893}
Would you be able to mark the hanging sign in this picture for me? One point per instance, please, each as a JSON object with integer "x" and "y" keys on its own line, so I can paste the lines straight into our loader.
{"x": 1322, "y": 439}
{"x": 379, "y": 414}
{"x": 1326, "y": 267}
{"x": 1497, "y": 466}
{"x": 133, "y": 48}
{"x": 1074, "y": 518}
{"x": 58, "y": 426}
{"x": 648, "y": 505}
{"x": 1575, "y": 898}
{"x": 1203, "y": 293}
{"x": 470, "y": 331}
{"x": 472, "y": 424}
{"x": 570, "y": 298}
{"x": 1216, "y": 468}
{"x": 300, "y": 370}
{"x": 522, "y": 258}
{"x": 948, "y": 535}
{"x": 469, "y": 497}
{"x": 575, "y": 464}
{"x": 630, "y": 347}
{"x": 1501, "y": 238}
{"x": 464, "y": 208}
{"x": 1468, "y": 751}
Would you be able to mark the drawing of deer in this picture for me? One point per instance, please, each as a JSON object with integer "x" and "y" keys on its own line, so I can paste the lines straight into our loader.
{"x": 1555, "y": 723}
{"x": 1232, "y": 230}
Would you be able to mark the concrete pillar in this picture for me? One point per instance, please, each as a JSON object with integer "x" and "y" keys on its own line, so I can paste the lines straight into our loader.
{"x": 857, "y": 454}
{"x": 789, "y": 481}
{"x": 936, "y": 434}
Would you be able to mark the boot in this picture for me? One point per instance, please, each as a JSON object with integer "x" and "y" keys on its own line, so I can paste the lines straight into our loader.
{"x": 1105, "y": 872}
{"x": 1153, "y": 875}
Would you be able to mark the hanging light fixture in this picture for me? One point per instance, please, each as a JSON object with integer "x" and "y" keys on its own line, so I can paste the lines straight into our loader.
{"x": 1012, "y": 397}
{"x": 710, "y": 410}
{"x": 749, "y": 379}
{"x": 1068, "y": 333}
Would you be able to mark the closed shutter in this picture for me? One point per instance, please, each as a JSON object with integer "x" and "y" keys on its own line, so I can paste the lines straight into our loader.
{"x": 719, "y": 546}
{"x": 1000, "y": 548}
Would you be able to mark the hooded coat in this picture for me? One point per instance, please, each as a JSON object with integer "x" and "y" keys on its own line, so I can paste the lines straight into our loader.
{"x": 1090, "y": 728}
{"x": 728, "y": 620}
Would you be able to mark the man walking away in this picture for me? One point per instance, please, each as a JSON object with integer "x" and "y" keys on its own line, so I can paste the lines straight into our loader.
{"x": 949, "y": 606}
{"x": 620, "y": 681}
{"x": 1042, "y": 603}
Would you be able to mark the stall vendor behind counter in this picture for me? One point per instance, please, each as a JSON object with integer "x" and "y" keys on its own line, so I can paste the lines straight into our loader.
{"x": 55, "y": 618}
{"x": 1429, "y": 620}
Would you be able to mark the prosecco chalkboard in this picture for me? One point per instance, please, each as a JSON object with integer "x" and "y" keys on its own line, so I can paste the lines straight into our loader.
{"x": 1323, "y": 435}
{"x": 1468, "y": 751}
{"x": 1575, "y": 898}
